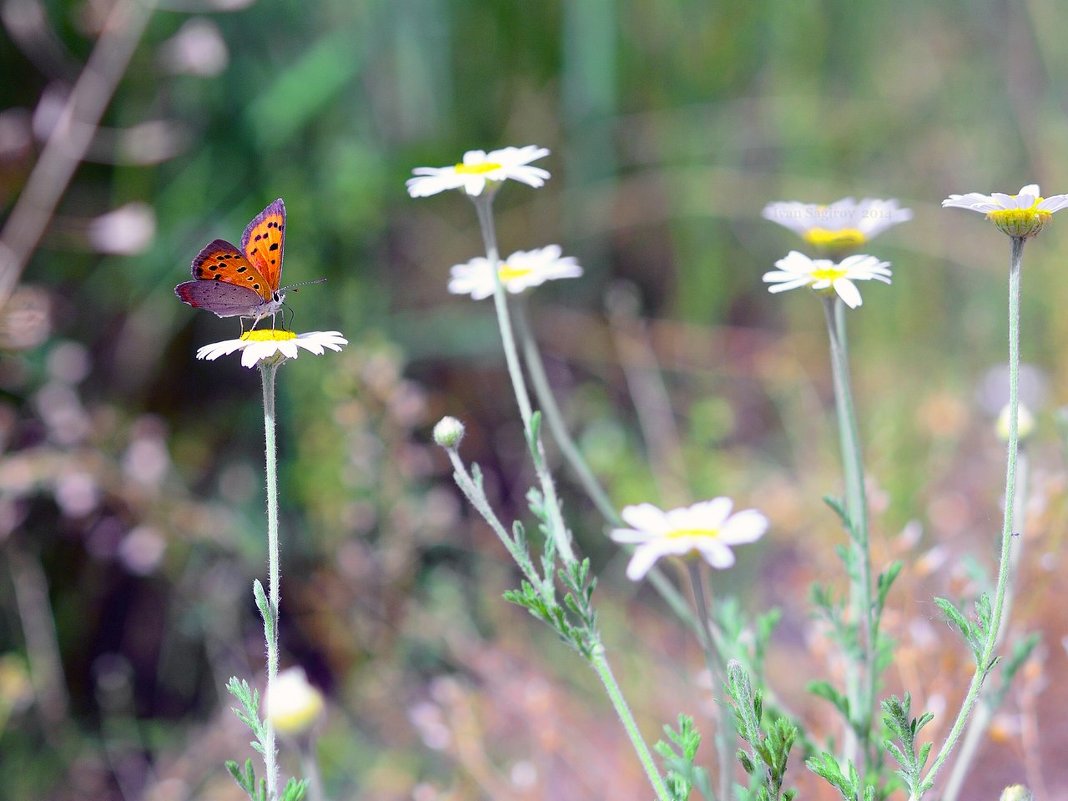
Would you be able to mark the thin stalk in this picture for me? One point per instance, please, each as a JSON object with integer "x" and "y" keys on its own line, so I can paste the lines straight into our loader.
{"x": 553, "y": 416}
{"x": 309, "y": 769}
{"x": 861, "y": 681}
{"x": 724, "y": 727}
{"x": 270, "y": 755}
{"x": 977, "y": 726}
{"x": 473, "y": 492}
{"x": 984, "y": 664}
{"x": 600, "y": 664}
{"x": 484, "y": 209}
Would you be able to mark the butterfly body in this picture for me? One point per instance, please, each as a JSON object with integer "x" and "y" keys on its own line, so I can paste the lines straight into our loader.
{"x": 241, "y": 282}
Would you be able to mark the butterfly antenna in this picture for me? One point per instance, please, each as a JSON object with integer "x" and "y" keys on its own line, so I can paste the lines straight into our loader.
{"x": 302, "y": 283}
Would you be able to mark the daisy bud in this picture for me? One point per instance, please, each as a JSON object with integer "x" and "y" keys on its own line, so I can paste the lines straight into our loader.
{"x": 448, "y": 433}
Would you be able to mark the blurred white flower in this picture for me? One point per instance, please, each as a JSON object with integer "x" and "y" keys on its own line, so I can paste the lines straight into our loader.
{"x": 843, "y": 225}
{"x": 126, "y": 231}
{"x": 197, "y": 49}
{"x": 823, "y": 275}
{"x": 1021, "y": 215}
{"x": 265, "y": 344}
{"x": 706, "y": 529}
{"x": 479, "y": 168}
{"x": 293, "y": 705}
{"x": 522, "y": 270}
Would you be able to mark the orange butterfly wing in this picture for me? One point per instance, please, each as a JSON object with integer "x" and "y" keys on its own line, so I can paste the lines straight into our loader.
{"x": 221, "y": 261}
{"x": 264, "y": 242}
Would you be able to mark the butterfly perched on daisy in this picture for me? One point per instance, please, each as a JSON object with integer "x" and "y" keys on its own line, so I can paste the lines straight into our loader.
{"x": 242, "y": 282}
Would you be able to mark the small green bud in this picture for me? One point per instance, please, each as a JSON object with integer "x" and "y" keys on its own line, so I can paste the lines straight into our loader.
{"x": 448, "y": 433}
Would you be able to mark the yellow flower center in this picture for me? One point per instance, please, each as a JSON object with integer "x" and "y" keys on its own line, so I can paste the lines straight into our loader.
{"x": 682, "y": 533}
{"x": 477, "y": 169}
{"x": 837, "y": 239}
{"x": 832, "y": 273}
{"x": 509, "y": 273}
{"x": 267, "y": 335}
{"x": 1021, "y": 222}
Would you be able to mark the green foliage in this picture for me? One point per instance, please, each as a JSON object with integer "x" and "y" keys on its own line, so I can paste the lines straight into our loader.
{"x": 769, "y": 749}
{"x": 249, "y": 714}
{"x": 745, "y": 640}
{"x": 678, "y": 755}
{"x": 896, "y": 716}
{"x": 845, "y": 781}
{"x": 257, "y": 791}
{"x": 973, "y": 631}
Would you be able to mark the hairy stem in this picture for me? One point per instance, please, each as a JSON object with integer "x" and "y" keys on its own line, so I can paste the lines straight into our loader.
{"x": 718, "y": 674}
{"x": 562, "y": 537}
{"x": 986, "y": 657}
{"x": 270, "y": 756}
{"x": 861, "y": 683}
{"x": 600, "y": 664}
{"x": 977, "y": 726}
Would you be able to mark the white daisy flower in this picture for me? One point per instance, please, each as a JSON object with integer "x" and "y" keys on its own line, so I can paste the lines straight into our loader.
{"x": 706, "y": 529}
{"x": 293, "y": 704}
{"x": 522, "y": 270}
{"x": 265, "y": 344}
{"x": 823, "y": 275}
{"x": 1021, "y": 215}
{"x": 843, "y": 225}
{"x": 479, "y": 168}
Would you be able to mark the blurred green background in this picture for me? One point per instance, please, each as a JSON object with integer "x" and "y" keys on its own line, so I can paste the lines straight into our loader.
{"x": 131, "y": 508}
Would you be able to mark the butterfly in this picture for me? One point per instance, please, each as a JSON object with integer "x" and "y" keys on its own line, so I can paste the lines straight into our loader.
{"x": 241, "y": 282}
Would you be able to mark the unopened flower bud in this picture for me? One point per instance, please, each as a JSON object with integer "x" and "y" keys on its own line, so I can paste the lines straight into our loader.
{"x": 448, "y": 433}
{"x": 293, "y": 704}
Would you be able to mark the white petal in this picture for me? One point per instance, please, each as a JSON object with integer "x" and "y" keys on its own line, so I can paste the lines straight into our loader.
{"x": 645, "y": 517}
{"x": 848, "y": 292}
{"x": 746, "y": 526}
{"x": 800, "y": 282}
{"x": 644, "y": 558}
{"x": 716, "y": 554}
{"x": 1053, "y": 203}
{"x": 629, "y": 536}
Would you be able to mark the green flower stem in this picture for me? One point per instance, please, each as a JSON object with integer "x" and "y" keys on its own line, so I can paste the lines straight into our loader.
{"x": 986, "y": 658}
{"x": 270, "y": 756}
{"x": 562, "y": 537}
{"x": 861, "y": 681}
{"x": 309, "y": 768}
{"x": 555, "y": 418}
{"x": 598, "y": 661}
{"x": 718, "y": 673}
{"x": 473, "y": 492}
{"x": 600, "y": 664}
{"x": 977, "y": 726}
